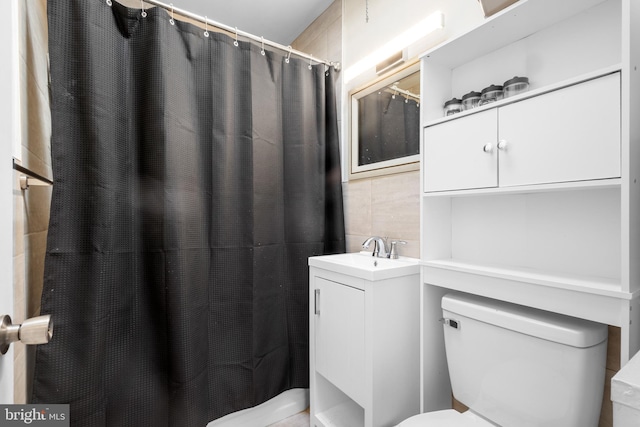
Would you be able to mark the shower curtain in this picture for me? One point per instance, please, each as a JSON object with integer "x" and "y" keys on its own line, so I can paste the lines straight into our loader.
{"x": 193, "y": 178}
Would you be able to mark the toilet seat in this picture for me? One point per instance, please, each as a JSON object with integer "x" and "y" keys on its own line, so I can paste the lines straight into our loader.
{"x": 446, "y": 418}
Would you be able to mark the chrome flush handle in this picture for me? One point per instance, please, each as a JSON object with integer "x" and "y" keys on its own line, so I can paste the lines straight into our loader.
{"x": 455, "y": 324}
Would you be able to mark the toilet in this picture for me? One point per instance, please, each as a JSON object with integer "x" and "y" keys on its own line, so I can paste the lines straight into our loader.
{"x": 516, "y": 366}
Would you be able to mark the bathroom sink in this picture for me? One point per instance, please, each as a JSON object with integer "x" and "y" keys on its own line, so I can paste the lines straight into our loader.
{"x": 365, "y": 266}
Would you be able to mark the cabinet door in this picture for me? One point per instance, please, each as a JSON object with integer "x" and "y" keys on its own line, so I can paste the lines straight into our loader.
{"x": 457, "y": 155}
{"x": 339, "y": 337}
{"x": 571, "y": 134}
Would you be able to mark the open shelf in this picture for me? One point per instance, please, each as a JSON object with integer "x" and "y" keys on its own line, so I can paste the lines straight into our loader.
{"x": 567, "y": 239}
{"x": 516, "y": 22}
{"x": 528, "y": 39}
{"x": 531, "y": 93}
{"x": 605, "y": 286}
{"x": 528, "y": 189}
{"x": 345, "y": 414}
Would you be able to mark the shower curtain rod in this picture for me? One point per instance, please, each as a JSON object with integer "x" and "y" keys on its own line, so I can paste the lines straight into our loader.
{"x": 410, "y": 94}
{"x": 237, "y": 32}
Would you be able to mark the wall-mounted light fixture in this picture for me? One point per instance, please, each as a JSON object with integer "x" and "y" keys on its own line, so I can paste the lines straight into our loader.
{"x": 431, "y": 23}
{"x": 391, "y": 62}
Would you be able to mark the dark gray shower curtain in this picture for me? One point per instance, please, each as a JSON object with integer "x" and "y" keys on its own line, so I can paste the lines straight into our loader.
{"x": 193, "y": 178}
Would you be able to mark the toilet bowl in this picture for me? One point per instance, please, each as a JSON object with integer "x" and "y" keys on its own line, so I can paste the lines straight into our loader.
{"x": 517, "y": 366}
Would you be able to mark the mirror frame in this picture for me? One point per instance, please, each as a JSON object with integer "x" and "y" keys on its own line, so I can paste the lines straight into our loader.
{"x": 386, "y": 167}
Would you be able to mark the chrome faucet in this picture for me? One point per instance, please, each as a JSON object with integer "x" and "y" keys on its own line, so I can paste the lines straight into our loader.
{"x": 379, "y": 247}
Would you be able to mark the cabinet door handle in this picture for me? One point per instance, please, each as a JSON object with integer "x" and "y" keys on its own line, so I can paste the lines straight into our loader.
{"x": 502, "y": 144}
{"x": 487, "y": 147}
{"x": 316, "y": 302}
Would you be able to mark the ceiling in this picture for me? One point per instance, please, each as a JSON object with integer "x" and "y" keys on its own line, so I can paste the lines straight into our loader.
{"x": 280, "y": 21}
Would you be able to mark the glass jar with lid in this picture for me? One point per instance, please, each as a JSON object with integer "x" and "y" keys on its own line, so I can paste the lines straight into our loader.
{"x": 490, "y": 94}
{"x": 470, "y": 100}
{"x": 452, "y": 106}
{"x": 515, "y": 86}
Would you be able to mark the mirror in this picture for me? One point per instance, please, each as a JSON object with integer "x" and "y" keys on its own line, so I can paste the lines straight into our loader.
{"x": 385, "y": 125}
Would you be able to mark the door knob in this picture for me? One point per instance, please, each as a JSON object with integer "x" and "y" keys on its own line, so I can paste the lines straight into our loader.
{"x": 487, "y": 147}
{"x": 502, "y": 144}
{"x": 37, "y": 330}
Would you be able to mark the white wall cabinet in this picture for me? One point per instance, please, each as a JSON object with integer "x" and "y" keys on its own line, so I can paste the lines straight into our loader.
{"x": 568, "y": 134}
{"x": 364, "y": 347}
{"x": 552, "y": 219}
{"x": 462, "y": 153}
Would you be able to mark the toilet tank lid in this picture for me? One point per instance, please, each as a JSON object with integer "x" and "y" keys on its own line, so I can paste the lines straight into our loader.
{"x": 526, "y": 320}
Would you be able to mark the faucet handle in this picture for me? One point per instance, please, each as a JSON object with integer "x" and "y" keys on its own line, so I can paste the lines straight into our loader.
{"x": 393, "y": 253}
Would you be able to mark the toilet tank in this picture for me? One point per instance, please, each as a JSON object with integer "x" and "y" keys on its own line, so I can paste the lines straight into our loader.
{"x": 520, "y": 367}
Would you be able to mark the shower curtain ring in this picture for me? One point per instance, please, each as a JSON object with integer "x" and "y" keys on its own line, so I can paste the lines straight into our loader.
{"x": 235, "y": 43}
{"x": 144, "y": 12}
{"x": 171, "y": 20}
{"x": 206, "y": 26}
{"x": 109, "y": 2}
{"x": 262, "y": 49}
{"x": 288, "y": 55}
{"x": 310, "y": 64}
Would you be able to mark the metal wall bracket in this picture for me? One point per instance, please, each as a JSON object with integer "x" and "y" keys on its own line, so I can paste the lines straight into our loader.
{"x": 30, "y": 178}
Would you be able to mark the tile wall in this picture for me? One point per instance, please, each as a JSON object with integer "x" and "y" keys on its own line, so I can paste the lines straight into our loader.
{"x": 388, "y": 206}
{"x": 323, "y": 39}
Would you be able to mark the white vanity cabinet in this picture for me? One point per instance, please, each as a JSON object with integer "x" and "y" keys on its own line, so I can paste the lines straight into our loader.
{"x": 364, "y": 344}
{"x": 339, "y": 336}
{"x": 568, "y": 134}
{"x": 535, "y": 199}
